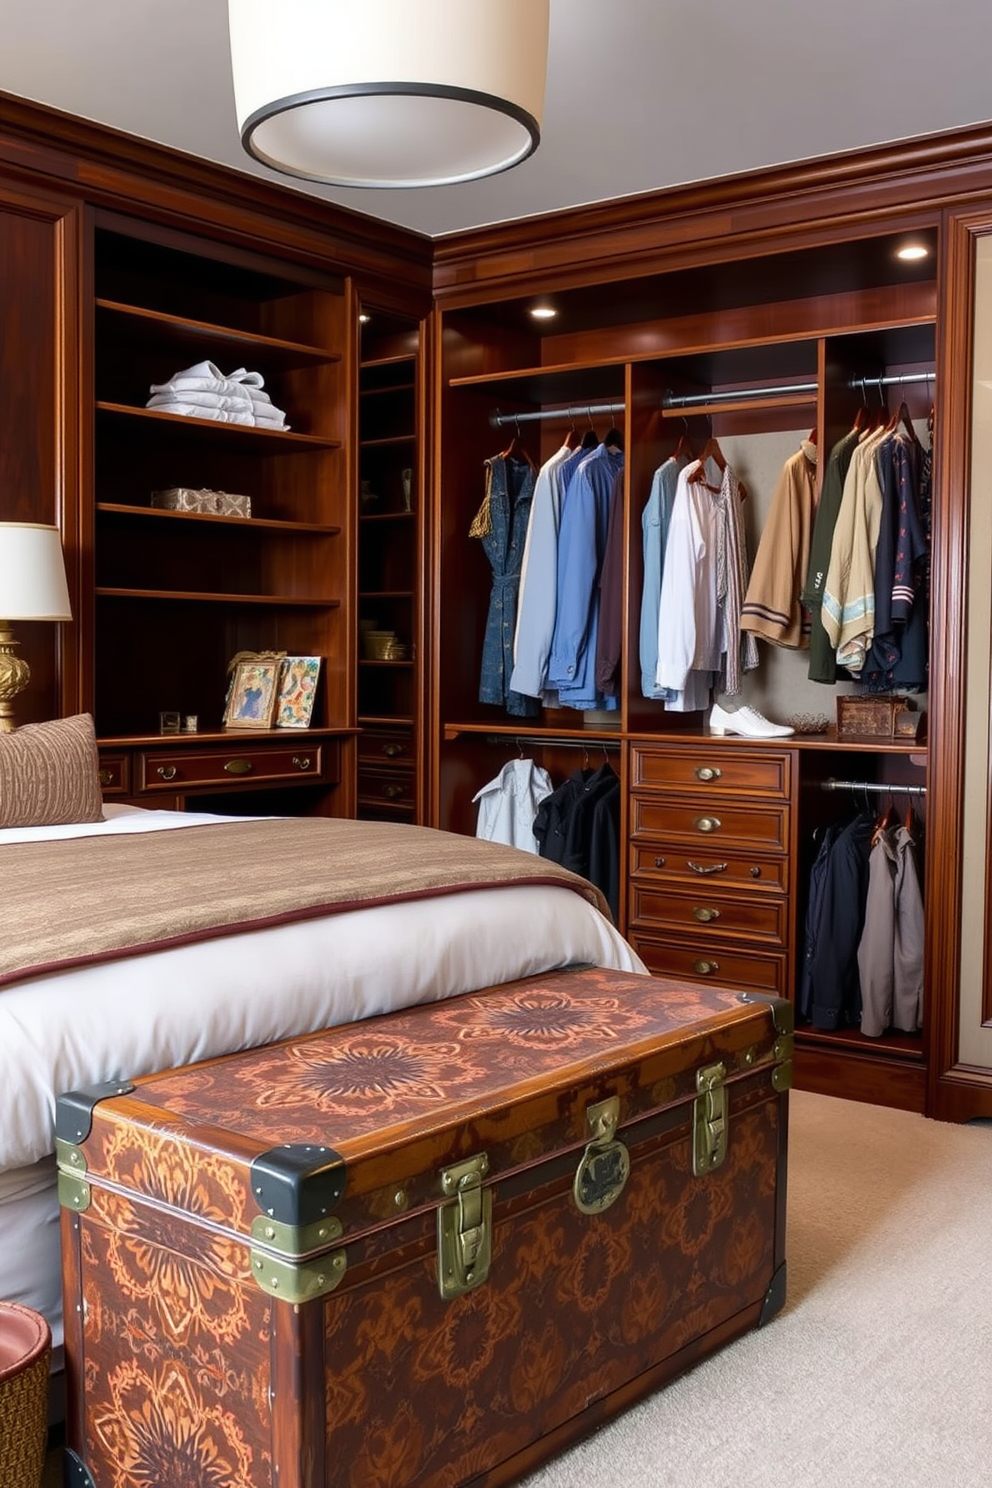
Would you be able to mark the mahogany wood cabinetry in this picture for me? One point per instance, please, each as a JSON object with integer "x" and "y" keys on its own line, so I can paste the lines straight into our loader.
{"x": 177, "y": 595}
{"x": 718, "y": 833}
{"x": 709, "y": 851}
{"x": 391, "y": 592}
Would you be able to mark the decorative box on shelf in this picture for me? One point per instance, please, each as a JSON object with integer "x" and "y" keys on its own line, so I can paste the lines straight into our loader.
{"x": 876, "y": 716}
{"x": 211, "y": 503}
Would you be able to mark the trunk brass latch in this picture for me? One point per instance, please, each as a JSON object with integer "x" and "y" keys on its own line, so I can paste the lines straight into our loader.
{"x": 464, "y": 1227}
{"x": 709, "y": 1120}
{"x": 605, "y": 1165}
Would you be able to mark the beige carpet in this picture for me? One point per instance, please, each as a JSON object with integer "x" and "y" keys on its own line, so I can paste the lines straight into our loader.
{"x": 879, "y": 1369}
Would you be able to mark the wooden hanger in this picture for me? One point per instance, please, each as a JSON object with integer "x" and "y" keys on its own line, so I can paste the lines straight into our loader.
{"x": 710, "y": 451}
{"x": 902, "y": 416}
{"x": 683, "y": 447}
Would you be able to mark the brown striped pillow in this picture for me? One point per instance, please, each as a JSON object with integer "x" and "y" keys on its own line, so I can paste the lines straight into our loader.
{"x": 49, "y": 774}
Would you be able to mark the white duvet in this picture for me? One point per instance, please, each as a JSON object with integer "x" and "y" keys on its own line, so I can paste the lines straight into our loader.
{"x": 123, "y": 1018}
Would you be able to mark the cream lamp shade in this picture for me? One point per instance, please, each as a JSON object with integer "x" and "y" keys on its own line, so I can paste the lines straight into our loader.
{"x": 389, "y": 92}
{"x": 32, "y": 587}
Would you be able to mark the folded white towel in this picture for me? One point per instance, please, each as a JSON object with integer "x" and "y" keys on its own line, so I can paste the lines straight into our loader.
{"x": 274, "y": 420}
{"x": 195, "y": 410}
{"x": 200, "y": 399}
{"x": 208, "y": 376}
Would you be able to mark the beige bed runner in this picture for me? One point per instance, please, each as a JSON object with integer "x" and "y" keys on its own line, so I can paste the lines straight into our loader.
{"x": 95, "y": 898}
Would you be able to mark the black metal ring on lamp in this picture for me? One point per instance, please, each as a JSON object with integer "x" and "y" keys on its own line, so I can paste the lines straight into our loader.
{"x": 384, "y": 90}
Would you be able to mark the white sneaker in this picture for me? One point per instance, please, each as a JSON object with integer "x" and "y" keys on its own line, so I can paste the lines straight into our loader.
{"x": 747, "y": 722}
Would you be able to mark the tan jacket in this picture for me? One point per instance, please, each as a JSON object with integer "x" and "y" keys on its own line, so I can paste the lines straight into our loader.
{"x": 771, "y": 606}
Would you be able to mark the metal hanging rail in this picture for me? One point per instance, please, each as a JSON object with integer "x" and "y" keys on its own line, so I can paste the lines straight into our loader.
{"x": 872, "y": 787}
{"x": 519, "y": 740}
{"x": 786, "y": 390}
{"x": 574, "y": 410}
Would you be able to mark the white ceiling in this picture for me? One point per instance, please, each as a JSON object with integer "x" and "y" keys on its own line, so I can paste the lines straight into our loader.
{"x": 641, "y": 93}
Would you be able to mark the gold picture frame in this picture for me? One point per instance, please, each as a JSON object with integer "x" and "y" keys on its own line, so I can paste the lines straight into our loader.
{"x": 251, "y": 699}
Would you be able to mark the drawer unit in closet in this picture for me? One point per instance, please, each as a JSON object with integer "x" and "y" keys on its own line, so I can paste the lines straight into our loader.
{"x": 710, "y": 917}
{"x": 679, "y": 865}
{"x": 685, "y": 822}
{"x": 747, "y": 970}
{"x": 719, "y": 771}
{"x": 393, "y": 747}
{"x": 236, "y": 764}
{"x": 389, "y": 792}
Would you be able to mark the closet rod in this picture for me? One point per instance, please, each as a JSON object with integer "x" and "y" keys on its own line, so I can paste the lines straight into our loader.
{"x": 872, "y": 787}
{"x": 497, "y": 419}
{"x": 741, "y": 395}
{"x": 557, "y": 743}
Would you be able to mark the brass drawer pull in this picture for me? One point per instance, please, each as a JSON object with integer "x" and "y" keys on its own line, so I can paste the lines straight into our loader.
{"x": 106, "y": 777}
{"x": 712, "y": 868}
{"x": 392, "y": 791}
{"x": 238, "y": 767}
{"x": 707, "y": 823}
{"x": 705, "y": 968}
{"x": 706, "y": 915}
{"x": 708, "y": 772}
{"x": 166, "y": 772}
{"x": 660, "y": 862}
{"x": 392, "y": 750}
{"x": 301, "y": 761}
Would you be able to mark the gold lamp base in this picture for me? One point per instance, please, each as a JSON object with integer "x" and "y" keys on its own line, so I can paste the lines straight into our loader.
{"x": 15, "y": 674}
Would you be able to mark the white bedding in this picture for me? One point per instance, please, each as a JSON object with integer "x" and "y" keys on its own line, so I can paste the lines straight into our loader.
{"x": 130, "y": 1017}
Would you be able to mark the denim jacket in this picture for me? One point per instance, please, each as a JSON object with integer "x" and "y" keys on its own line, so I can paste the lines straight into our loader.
{"x": 503, "y": 532}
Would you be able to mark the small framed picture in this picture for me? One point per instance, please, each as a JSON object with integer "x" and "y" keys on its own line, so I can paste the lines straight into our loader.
{"x": 297, "y": 690}
{"x": 252, "y": 698}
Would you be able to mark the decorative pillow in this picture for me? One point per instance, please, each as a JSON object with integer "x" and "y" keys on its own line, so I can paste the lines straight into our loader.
{"x": 49, "y": 774}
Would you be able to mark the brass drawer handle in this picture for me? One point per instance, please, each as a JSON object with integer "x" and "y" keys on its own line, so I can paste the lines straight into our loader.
{"x": 392, "y": 791}
{"x": 705, "y": 968}
{"x": 707, "y": 823}
{"x": 706, "y": 915}
{"x": 238, "y": 767}
{"x": 660, "y": 862}
{"x": 166, "y": 772}
{"x": 392, "y": 750}
{"x": 301, "y": 761}
{"x": 701, "y": 868}
{"x": 106, "y": 777}
{"x": 708, "y": 772}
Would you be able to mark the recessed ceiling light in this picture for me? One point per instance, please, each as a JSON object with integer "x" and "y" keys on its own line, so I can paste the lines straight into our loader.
{"x": 543, "y": 312}
{"x": 364, "y": 319}
{"x": 911, "y": 251}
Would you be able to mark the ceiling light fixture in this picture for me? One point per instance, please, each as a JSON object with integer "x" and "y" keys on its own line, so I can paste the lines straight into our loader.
{"x": 543, "y": 312}
{"x": 910, "y": 252}
{"x": 388, "y": 93}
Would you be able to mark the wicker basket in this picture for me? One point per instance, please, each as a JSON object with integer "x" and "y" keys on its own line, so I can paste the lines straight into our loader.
{"x": 25, "y": 1353}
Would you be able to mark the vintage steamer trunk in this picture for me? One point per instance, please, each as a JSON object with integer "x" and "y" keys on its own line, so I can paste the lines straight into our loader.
{"x": 429, "y": 1248}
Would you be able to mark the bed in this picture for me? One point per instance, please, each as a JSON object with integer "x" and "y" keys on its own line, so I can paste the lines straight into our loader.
{"x": 107, "y": 972}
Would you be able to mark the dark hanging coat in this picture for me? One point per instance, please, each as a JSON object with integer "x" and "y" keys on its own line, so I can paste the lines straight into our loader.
{"x": 501, "y": 524}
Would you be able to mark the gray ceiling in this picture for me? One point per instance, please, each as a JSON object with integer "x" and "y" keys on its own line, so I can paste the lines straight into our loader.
{"x": 641, "y": 93}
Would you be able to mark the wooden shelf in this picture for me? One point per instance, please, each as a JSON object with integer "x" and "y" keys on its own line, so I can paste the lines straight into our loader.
{"x": 243, "y": 524}
{"x": 248, "y": 434}
{"x": 282, "y": 601}
{"x": 136, "y": 325}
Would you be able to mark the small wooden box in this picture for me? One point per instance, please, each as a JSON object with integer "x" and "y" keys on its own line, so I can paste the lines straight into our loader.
{"x": 867, "y": 717}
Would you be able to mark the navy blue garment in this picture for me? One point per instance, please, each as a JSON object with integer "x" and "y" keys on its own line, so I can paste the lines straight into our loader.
{"x": 502, "y": 527}
{"x": 578, "y": 826}
{"x": 834, "y": 994}
{"x": 814, "y": 916}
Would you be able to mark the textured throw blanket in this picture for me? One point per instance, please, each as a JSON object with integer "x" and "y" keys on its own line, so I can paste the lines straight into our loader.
{"x": 94, "y": 898}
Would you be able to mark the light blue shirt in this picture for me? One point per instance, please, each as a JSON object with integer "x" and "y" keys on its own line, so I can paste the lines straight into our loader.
{"x": 581, "y": 544}
{"x": 654, "y": 525}
{"x": 538, "y": 602}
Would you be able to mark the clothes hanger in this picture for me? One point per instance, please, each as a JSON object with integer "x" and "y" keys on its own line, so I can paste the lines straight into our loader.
{"x": 572, "y": 437}
{"x": 590, "y": 438}
{"x": 515, "y": 450}
{"x": 902, "y": 416}
{"x": 683, "y": 445}
{"x": 710, "y": 451}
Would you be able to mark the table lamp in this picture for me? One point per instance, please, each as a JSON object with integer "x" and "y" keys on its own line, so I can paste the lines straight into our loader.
{"x": 32, "y": 587}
